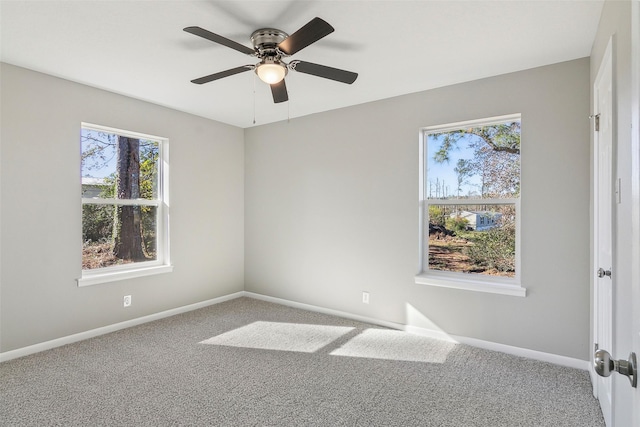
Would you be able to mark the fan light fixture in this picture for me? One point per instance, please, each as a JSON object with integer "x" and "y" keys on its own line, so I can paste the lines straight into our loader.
{"x": 271, "y": 72}
{"x": 270, "y": 46}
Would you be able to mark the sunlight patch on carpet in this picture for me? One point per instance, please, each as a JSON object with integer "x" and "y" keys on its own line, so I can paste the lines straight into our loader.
{"x": 296, "y": 337}
{"x": 395, "y": 345}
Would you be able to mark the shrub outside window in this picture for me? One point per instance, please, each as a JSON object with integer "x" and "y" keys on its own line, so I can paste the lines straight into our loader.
{"x": 470, "y": 205}
{"x": 124, "y": 204}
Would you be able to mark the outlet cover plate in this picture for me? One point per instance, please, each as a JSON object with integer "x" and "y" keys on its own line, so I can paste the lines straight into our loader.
{"x": 365, "y": 297}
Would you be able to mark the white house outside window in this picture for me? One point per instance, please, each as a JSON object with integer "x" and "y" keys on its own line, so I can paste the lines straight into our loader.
{"x": 470, "y": 205}
{"x": 124, "y": 204}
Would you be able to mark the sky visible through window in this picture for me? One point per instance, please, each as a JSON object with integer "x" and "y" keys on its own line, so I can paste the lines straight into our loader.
{"x": 103, "y": 164}
{"x": 99, "y": 153}
{"x": 441, "y": 177}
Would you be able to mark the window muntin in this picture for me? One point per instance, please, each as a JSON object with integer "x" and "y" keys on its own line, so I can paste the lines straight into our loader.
{"x": 124, "y": 195}
{"x": 470, "y": 198}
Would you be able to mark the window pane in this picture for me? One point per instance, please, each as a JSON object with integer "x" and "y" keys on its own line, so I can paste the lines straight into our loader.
{"x": 101, "y": 188}
{"x": 135, "y": 240}
{"x": 149, "y": 157}
{"x": 475, "y": 162}
{"x": 117, "y": 166}
{"x": 477, "y": 239}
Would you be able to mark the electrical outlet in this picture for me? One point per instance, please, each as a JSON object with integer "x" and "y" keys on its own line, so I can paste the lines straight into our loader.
{"x": 127, "y": 300}
{"x": 365, "y": 297}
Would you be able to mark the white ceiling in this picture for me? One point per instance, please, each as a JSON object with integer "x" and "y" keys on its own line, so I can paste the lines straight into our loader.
{"x": 138, "y": 48}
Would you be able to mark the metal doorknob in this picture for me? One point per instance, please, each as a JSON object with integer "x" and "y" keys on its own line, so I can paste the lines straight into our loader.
{"x": 602, "y": 272}
{"x": 605, "y": 366}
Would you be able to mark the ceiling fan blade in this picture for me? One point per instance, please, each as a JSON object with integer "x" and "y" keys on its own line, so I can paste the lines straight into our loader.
{"x": 221, "y": 74}
{"x": 279, "y": 92}
{"x": 311, "y": 32}
{"x": 201, "y": 32}
{"x": 323, "y": 71}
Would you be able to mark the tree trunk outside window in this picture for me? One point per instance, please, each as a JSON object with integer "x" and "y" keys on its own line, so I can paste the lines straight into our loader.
{"x": 128, "y": 231}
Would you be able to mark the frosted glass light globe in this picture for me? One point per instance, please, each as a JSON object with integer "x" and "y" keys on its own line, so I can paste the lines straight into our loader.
{"x": 271, "y": 73}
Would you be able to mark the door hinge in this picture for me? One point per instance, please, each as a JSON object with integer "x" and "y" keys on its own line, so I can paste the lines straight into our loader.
{"x": 595, "y": 347}
{"x": 596, "y": 121}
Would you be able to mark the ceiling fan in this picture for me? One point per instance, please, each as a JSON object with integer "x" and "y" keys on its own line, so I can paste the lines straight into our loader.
{"x": 270, "y": 46}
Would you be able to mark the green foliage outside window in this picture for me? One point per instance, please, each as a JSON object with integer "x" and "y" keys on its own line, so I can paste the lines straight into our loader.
{"x": 494, "y": 248}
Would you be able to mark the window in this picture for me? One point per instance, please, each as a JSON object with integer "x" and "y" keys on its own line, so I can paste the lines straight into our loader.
{"x": 124, "y": 204}
{"x": 470, "y": 205}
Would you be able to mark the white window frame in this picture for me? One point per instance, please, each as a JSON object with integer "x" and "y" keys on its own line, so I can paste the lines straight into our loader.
{"x": 162, "y": 263}
{"x": 449, "y": 279}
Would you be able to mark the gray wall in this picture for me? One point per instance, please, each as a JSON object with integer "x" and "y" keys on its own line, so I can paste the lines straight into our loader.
{"x": 41, "y": 213}
{"x": 331, "y": 209}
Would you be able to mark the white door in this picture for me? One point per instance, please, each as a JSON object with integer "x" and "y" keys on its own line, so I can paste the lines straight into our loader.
{"x": 635, "y": 338}
{"x": 603, "y": 203}
{"x": 635, "y": 330}
{"x": 635, "y": 179}
{"x": 622, "y": 407}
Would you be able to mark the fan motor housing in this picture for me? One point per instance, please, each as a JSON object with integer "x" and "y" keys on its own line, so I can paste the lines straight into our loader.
{"x": 266, "y": 41}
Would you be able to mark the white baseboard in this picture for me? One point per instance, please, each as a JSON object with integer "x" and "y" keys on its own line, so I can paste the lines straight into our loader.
{"x": 323, "y": 310}
{"x": 556, "y": 359}
{"x": 516, "y": 351}
{"x": 503, "y": 348}
{"x": 47, "y": 345}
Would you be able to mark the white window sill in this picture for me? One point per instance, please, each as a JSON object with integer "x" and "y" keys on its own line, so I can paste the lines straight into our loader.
{"x": 512, "y": 289}
{"x": 91, "y": 278}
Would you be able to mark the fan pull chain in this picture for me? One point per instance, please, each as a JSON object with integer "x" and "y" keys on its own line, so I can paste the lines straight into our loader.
{"x": 289, "y": 104}
{"x": 254, "y": 99}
